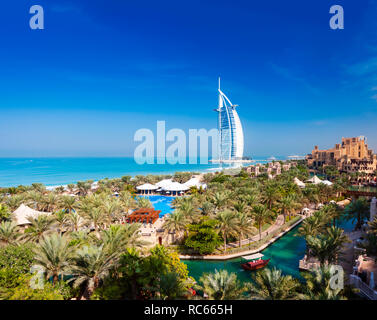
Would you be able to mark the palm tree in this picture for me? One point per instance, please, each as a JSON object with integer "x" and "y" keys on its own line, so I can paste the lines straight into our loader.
{"x": 90, "y": 266}
{"x": 220, "y": 199}
{"x": 270, "y": 195}
{"x": 311, "y": 226}
{"x": 39, "y": 187}
{"x": 317, "y": 286}
{"x": 318, "y": 247}
{"x": 84, "y": 187}
{"x": 175, "y": 222}
{"x": 127, "y": 201}
{"x": 222, "y": 285}
{"x": 240, "y": 207}
{"x": 67, "y": 203}
{"x": 143, "y": 203}
{"x": 171, "y": 287}
{"x": 310, "y": 192}
{"x": 15, "y": 201}
{"x": 227, "y": 224}
{"x": 36, "y": 199}
{"x": 95, "y": 217}
{"x": 70, "y": 187}
{"x": 133, "y": 236}
{"x": 112, "y": 209}
{"x": 207, "y": 208}
{"x": 54, "y": 254}
{"x": 75, "y": 220}
{"x": 5, "y": 213}
{"x": 251, "y": 199}
{"x": 188, "y": 210}
{"x": 337, "y": 239}
{"x": 50, "y": 202}
{"x": 245, "y": 226}
{"x": 272, "y": 285}
{"x": 286, "y": 205}
{"x": 327, "y": 246}
{"x": 61, "y": 219}
{"x": 8, "y": 233}
{"x": 118, "y": 237}
{"x": 260, "y": 214}
{"x": 358, "y": 210}
{"x": 332, "y": 211}
{"x": 40, "y": 226}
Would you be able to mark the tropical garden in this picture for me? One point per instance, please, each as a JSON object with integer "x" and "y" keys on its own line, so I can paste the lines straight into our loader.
{"x": 84, "y": 249}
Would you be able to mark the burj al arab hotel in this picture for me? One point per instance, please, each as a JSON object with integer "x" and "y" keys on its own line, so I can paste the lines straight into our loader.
{"x": 231, "y": 141}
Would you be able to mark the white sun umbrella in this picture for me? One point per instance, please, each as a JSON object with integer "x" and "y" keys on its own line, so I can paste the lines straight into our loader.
{"x": 176, "y": 186}
{"x": 164, "y": 183}
{"x": 23, "y": 212}
{"x": 299, "y": 182}
{"x": 193, "y": 182}
{"x": 314, "y": 180}
{"x": 327, "y": 182}
{"x": 147, "y": 186}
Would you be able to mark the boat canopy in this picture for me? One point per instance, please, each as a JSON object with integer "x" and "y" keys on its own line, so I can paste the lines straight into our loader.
{"x": 253, "y": 256}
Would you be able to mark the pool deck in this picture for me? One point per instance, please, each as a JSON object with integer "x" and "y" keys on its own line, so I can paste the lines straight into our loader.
{"x": 246, "y": 252}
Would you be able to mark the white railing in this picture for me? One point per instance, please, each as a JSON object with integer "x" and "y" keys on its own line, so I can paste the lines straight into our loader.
{"x": 364, "y": 288}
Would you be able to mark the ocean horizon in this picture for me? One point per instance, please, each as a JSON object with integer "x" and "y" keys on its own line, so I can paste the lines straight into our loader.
{"x": 54, "y": 171}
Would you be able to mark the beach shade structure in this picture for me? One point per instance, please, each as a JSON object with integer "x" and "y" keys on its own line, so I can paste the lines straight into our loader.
{"x": 193, "y": 182}
{"x": 299, "y": 182}
{"x": 163, "y": 183}
{"x": 175, "y": 187}
{"x": 314, "y": 180}
{"x": 327, "y": 182}
{"x": 147, "y": 188}
{"x": 23, "y": 212}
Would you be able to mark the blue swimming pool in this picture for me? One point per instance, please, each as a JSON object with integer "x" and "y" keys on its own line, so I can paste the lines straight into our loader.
{"x": 161, "y": 203}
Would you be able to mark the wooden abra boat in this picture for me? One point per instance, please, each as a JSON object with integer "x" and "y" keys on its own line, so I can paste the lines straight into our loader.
{"x": 256, "y": 262}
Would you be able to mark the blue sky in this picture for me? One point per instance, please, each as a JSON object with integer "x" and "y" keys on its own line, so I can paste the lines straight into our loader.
{"x": 100, "y": 70}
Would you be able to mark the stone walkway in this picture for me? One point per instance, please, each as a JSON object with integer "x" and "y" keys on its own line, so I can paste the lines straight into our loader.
{"x": 242, "y": 253}
{"x": 278, "y": 223}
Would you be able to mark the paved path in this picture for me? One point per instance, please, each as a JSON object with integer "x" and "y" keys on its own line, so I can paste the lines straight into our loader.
{"x": 278, "y": 223}
{"x": 241, "y": 253}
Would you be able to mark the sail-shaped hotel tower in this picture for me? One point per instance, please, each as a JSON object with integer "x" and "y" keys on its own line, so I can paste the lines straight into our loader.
{"x": 231, "y": 141}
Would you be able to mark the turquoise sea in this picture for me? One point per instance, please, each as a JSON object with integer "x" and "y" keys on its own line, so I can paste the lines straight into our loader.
{"x": 62, "y": 171}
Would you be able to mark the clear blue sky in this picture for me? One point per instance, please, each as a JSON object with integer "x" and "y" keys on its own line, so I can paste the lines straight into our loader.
{"x": 102, "y": 69}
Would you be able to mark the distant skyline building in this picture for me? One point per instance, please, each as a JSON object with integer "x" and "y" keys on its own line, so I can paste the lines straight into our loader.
{"x": 231, "y": 140}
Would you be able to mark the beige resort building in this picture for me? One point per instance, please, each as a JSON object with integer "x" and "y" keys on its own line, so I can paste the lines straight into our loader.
{"x": 352, "y": 155}
{"x": 272, "y": 169}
